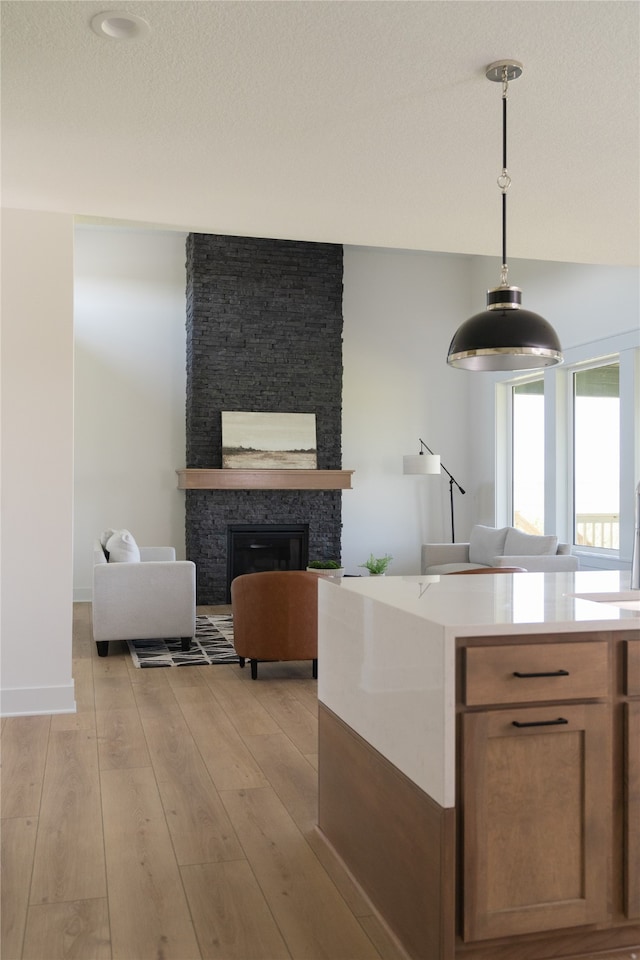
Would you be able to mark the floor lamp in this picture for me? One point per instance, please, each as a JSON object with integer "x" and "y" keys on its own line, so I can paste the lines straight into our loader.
{"x": 429, "y": 463}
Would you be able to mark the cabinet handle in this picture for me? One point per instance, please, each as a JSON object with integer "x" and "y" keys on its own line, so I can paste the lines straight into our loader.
{"x": 540, "y": 723}
{"x": 552, "y": 673}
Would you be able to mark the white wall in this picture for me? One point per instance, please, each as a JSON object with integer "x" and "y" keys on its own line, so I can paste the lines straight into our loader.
{"x": 400, "y": 311}
{"x": 37, "y": 462}
{"x": 130, "y": 386}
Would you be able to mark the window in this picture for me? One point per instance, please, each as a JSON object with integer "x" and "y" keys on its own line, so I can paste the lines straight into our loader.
{"x": 567, "y": 450}
{"x": 596, "y": 452}
{"x": 527, "y": 444}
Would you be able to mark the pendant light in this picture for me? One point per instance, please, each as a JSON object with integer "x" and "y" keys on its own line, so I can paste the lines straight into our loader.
{"x": 504, "y": 336}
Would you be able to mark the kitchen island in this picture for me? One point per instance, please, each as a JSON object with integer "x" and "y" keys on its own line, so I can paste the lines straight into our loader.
{"x": 479, "y": 759}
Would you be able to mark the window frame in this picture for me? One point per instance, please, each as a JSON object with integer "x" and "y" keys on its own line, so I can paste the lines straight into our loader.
{"x": 558, "y": 384}
{"x": 533, "y": 377}
{"x": 584, "y": 549}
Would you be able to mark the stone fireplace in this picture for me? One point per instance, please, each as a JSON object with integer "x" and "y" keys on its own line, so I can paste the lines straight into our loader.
{"x": 264, "y": 334}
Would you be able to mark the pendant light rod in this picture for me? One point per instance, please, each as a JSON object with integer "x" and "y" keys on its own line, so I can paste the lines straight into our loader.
{"x": 502, "y": 72}
{"x": 504, "y": 174}
{"x": 504, "y": 180}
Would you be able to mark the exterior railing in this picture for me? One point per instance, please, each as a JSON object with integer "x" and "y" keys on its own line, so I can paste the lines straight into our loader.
{"x": 598, "y": 530}
{"x": 592, "y": 529}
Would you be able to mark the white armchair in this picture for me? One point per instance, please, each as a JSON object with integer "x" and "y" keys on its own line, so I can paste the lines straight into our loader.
{"x": 153, "y": 598}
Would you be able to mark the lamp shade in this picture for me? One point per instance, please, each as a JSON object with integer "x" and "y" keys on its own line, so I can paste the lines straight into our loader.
{"x": 504, "y": 339}
{"x": 422, "y": 463}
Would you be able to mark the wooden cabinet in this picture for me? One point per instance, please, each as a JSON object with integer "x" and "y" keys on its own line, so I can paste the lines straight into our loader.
{"x": 538, "y": 858}
{"x": 632, "y": 668}
{"x": 536, "y": 829}
{"x": 632, "y": 781}
{"x": 536, "y": 788}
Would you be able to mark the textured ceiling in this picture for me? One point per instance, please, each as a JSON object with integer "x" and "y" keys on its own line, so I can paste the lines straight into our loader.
{"x": 365, "y": 122}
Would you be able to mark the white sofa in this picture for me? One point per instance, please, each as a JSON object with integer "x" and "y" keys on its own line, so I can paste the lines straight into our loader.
{"x": 153, "y": 597}
{"x": 498, "y": 547}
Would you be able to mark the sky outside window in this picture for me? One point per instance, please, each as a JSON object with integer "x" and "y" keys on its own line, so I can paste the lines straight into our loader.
{"x": 528, "y": 457}
{"x": 596, "y": 419}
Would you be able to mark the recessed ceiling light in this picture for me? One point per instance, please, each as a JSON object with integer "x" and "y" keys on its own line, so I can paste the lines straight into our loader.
{"x": 114, "y": 25}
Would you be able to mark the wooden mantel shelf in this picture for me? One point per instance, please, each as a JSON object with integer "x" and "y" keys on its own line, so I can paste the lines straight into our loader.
{"x": 231, "y": 479}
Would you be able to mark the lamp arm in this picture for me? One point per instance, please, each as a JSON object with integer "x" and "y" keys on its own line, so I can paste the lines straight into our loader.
{"x": 451, "y": 477}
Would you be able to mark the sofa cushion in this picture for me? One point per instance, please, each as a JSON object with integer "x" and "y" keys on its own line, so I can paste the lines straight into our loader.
{"x": 104, "y": 536}
{"x": 485, "y": 543}
{"x": 522, "y": 544}
{"x": 122, "y": 547}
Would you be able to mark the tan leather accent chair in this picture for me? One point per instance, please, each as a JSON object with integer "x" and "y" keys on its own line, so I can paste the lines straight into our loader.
{"x": 275, "y": 617}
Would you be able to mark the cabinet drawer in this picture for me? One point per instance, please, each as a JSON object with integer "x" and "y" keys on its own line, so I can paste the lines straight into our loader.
{"x": 526, "y": 673}
{"x": 633, "y": 668}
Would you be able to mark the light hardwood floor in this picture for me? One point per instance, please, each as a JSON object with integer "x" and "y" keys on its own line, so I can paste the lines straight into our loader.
{"x": 173, "y": 818}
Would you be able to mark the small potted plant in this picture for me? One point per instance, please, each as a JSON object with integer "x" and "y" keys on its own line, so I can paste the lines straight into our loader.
{"x": 377, "y": 565}
{"x": 326, "y": 568}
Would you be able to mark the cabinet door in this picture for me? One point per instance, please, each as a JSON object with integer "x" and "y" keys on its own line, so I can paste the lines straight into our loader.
{"x": 632, "y": 685}
{"x": 536, "y": 818}
{"x": 632, "y": 809}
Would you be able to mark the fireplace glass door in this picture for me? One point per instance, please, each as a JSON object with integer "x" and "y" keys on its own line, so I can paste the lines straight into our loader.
{"x": 255, "y": 548}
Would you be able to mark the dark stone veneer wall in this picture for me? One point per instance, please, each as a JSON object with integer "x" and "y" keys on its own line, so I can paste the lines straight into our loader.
{"x": 264, "y": 333}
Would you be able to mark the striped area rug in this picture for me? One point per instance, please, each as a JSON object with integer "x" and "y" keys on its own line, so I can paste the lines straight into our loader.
{"x": 213, "y": 643}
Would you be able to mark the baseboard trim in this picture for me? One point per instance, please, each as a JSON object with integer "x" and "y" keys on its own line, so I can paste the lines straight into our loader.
{"x": 36, "y": 701}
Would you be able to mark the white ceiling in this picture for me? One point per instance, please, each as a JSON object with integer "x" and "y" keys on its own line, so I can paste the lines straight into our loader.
{"x": 351, "y": 121}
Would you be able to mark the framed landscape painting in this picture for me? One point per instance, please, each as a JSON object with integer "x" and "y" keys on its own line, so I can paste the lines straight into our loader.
{"x": 269, "y": 441}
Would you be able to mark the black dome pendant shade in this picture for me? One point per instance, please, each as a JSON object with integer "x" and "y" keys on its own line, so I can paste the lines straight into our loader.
{"x": 504, "y": 336}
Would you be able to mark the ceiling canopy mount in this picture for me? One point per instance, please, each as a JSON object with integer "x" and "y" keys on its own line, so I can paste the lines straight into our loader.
{"x": 504, "y": 69}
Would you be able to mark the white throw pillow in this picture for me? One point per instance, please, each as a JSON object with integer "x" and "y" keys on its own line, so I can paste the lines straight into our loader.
{"x": 485, "y": 543}
{"x": 104, "y": 536}
{"x": 519, "y": 544}
{"x": 122, "y": 548}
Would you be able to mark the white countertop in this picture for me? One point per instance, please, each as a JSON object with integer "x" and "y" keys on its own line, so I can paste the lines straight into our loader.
{"x": 386, "y": 651}
{"x": 497, "y": 603}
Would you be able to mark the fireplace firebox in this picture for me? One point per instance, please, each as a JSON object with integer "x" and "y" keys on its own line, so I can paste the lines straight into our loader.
{"x": 253, "y": 548}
